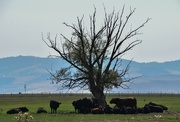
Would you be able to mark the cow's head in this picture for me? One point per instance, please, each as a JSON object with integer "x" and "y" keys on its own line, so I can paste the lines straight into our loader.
{"x": 74, "y": 103}
{"x": 112, "y": 101}
{"x": 59, "y": 104}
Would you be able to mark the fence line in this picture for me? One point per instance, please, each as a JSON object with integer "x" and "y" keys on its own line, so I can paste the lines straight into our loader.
{"x": 107, "y": 94}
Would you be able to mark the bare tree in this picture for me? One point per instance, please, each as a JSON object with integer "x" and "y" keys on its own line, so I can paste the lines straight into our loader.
{"x": 95, "y": 55}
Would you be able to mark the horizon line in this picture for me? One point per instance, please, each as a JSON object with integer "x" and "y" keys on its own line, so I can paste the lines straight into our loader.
{"x": 165, "y": 61}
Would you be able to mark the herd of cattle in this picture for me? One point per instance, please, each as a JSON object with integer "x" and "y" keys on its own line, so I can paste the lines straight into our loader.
{"x": 90, "y": 105}
{"x": 122, "y": 106}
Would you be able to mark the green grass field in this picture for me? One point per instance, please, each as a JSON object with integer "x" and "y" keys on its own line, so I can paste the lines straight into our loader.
{"x": 66, "y": 110}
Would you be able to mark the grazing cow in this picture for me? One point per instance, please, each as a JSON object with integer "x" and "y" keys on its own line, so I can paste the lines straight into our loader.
{"x": 156, "y": 109}
{"x": 17, "y": 110}
{"x": 54, "y": 105}
{"x": 41, "y": 110}
{"x": 162, "y": 106}
{"x": 127, "y": 102}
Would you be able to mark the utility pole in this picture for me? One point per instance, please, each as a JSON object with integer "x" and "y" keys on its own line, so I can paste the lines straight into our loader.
{"x": 25, "y": 88}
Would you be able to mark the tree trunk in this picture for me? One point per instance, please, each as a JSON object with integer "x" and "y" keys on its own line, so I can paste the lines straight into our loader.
{"x": 99, "y": 95}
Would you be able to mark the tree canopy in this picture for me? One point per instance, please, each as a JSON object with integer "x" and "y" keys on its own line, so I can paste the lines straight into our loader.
{"x": 95, "y": 54}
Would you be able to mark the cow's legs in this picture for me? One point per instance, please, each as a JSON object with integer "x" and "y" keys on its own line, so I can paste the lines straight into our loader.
{"x": 51, "y": 110}
{"x": 55, "y": 110}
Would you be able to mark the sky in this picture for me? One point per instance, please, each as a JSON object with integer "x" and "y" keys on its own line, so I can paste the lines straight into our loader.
{"x": 23, "y": 21}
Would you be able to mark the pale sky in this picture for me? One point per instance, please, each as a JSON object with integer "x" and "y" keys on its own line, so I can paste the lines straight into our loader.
{"x": 23, "y": 21}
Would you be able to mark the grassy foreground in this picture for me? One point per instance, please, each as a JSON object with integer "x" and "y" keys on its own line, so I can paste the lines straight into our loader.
{"x": 66, "y": 110}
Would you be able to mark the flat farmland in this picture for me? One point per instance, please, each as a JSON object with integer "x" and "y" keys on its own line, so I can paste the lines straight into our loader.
{"x": 66, "y": 110}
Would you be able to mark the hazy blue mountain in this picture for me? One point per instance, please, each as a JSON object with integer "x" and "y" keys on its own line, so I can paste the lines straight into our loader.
{"x": 32, "y": 71}
{"x": 16, "y": 72}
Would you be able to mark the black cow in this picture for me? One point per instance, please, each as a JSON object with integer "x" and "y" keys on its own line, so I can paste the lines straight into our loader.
{"x": 143, "y": 110}
{"x": 77, "y": 105}
{"x": 129, "y": 110}
{"x": 23, "y": 109}
{"x": 108, "y": 109}
{"x": 140, "y": 110}
{"x": 13, "y": 111}
{"x": 152, "y": 108}
{"x": 146, "y": 109}
{"x": 54, "y": 105}
{"x": 116, "y": 110}
{"x": 127, "y": 102}
{"x": 84, "y": 105}
{"x": 17, "y": 110}
{"x": 89, "y": 102}
{"x": 41, "y": 110}
{"x": 162, "y": 106}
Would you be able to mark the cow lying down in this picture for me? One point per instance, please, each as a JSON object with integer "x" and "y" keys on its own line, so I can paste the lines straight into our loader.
{"x": 17, "y": 110}
{"x": 154, "y": 104}
{"x": 129, "y": 109}
{"x": 41, "y": 110}
{"x": 152, "y": 108}
{"x": 113, "y": 110}
{"x": 119, "y": 110}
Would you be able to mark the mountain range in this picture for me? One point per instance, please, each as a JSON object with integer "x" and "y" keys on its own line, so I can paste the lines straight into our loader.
{"x": 31, "y": 74}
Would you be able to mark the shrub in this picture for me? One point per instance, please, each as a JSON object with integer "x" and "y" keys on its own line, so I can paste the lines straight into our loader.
{"x": 23, "y": 117}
